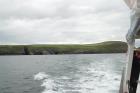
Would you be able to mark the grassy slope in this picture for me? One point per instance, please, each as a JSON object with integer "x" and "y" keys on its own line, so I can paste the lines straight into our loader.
{"x": 104, "y": 47}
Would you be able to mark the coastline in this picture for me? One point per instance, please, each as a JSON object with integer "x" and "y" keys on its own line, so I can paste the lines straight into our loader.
{"x": 98, "y": 48}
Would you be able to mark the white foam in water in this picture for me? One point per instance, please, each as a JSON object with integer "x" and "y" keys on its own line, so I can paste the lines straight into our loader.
{"x": 99, "y": 81}
{"x": 40, "y": 76}
{"x": 64, "y": 77}
{"x": 90, "y": 80}
{"x": 48, "y": 83}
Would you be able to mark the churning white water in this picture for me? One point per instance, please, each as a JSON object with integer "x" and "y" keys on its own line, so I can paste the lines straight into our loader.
{"x": 96, "y": 77}
{"x": 88, "y": 73}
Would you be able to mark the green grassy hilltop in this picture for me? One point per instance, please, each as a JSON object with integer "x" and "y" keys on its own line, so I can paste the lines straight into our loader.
{"x": 104, "y": 47}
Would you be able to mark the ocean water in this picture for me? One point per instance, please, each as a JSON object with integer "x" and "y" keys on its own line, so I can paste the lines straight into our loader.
{"x": 88, "y": 73}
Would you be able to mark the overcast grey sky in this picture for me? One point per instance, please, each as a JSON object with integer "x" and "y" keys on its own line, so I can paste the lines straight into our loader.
{"x": 62, "y": 21}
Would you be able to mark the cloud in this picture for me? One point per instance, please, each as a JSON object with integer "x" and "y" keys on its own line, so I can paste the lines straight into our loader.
{"x": 62, "y": 21}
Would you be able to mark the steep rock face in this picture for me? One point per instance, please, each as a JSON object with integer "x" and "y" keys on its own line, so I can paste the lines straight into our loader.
{"x": 104, "y": 47}
{"x": 26, "y": 51}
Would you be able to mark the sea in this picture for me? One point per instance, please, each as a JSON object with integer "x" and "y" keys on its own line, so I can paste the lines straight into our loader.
{"x": 74, "y": 73}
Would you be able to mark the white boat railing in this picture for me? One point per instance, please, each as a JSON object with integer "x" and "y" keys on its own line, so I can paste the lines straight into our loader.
{"x": 134, "y": 30}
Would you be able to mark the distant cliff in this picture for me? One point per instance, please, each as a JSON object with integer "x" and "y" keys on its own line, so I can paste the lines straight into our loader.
{"x": 104, "y": 47}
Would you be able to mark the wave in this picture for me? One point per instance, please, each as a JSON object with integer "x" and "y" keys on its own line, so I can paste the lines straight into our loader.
{"x": 87, "y": 80}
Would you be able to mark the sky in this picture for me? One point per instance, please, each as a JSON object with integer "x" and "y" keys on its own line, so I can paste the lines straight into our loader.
{"x": 62, "y": 21}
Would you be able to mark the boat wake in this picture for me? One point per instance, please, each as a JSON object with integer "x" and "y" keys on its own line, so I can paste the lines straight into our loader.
{"x": 86, "y": 80}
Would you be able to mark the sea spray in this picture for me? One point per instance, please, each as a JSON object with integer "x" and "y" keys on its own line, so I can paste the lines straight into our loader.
{"x": 48, "y": 83}
{"x": 40, "y": 76}
{"x": 96, "y": 76}
{"x": 90, "y": 80}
